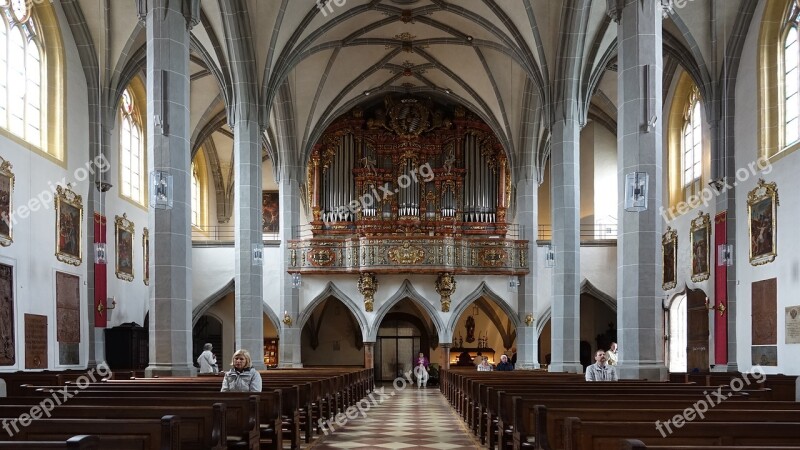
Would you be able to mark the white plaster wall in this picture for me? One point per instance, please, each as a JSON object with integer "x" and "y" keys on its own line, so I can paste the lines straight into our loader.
{"x": 605, "y": 176}
{"x": 786, "y": 267}
{"x": 33, "y": 251}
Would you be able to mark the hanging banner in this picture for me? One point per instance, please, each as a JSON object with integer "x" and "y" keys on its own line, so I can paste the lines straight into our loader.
{"x": 100, "y": 276}
{"x": 720, "y": 291}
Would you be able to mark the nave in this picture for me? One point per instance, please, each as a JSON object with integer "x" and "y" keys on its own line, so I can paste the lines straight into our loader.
{"x": 409, "y": 417}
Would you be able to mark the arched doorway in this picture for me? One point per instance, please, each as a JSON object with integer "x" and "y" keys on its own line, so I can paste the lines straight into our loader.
{"x": 688, "y": 332}
{"x": 403, "y": 333}
{"x": 331, "y": 336}
{"x": 208, "y": 329}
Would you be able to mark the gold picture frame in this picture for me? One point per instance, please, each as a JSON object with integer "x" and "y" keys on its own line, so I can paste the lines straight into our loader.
{"x": 669, "y": 250}
{"x": 123, "y": 238}
{"x": 700, "y": 243}
{"x": 6, "y": 203}
{"x": 69, "y": 226}
{"x": 146, "y": 256}
{"x": 762, "y": 224}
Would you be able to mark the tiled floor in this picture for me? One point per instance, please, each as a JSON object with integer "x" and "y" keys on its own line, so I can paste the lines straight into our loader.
{"x": 406, "y": 418}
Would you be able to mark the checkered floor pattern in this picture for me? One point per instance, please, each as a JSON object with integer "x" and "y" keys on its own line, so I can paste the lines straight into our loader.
{"x": 408, "y": 418}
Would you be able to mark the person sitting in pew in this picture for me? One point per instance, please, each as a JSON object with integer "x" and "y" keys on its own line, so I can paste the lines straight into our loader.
{"x": 484, "y": 366}
{"x": 505, "y": 364}
{"x": 600, "y": 371}
{"x": 242, "y": 377}
{"x": 612, "y": 354}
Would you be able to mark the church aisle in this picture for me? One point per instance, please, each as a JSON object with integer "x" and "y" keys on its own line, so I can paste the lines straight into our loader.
{"x": 407, "y": 418}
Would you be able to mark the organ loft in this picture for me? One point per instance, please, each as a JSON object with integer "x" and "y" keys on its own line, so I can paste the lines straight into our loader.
{"x": 409, "y": 186}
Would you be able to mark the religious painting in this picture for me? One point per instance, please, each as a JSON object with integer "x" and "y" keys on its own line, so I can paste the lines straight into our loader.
{"x": 123, "y": 232}
{"x": 669, "y": 250}
{"x": 6, "y": 191}
{"x": 69, "y": 226}
{"x": 8, "y": 341}
{"x": 270, "y": 211}
{"x": 762, "y": 204}
{"x": 146, "y": 256}
{"x": 68, "y": 318}
{"x": 699, "y": 245}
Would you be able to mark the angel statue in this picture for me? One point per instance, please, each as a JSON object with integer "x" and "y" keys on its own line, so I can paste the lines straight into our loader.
{"x": 369, "y": 164}
{"x": 448, "y": 162}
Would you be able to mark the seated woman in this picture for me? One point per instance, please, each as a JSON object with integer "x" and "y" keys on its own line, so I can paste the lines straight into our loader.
{"x": 242, "y": 377}
{"x": 484, "y": 366}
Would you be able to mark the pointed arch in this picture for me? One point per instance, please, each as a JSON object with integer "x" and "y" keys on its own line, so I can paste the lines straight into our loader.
{"x": 332, "y": 291}
{"x": 482, "y": 291}
{"x": 203, "y": 307}
{"x": 590, "y": 289}
{"x": 406, "y": 290}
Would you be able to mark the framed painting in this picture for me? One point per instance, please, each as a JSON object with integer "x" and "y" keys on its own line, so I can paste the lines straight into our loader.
{"x": 270, "y": 212}
{"x": 69, "y": 226}
{"x": 146, "y": 256}
{"x": 700, "y": 245}
{"x": 6, "y": 192}
{"x": 123, "y": 236}
{"x": 669, "y": 250}
{"x": 762, "y": 209}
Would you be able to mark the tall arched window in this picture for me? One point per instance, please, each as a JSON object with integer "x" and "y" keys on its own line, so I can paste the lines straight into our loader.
{"x": 195, "y": 197}
{"x": 130, "y": 154}
{"x": 791, "y": 80}
{"x": 20, "y": 73}
{"x": 692, "y": 147}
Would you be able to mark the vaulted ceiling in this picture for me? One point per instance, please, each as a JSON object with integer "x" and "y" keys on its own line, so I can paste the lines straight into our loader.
{"x": 497, "y": 57}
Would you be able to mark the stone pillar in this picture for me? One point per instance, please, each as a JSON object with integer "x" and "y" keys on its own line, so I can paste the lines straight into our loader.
{"x": 289, "y": 203}
{"x": 528, "y": 214}
{"x": 249, "y": 309}
{"x": 565, "y": 176}
{"x": 369, "y": 355}
{"x": 168, "y": 135}
{"x": 445, "y": 362}
{"x": 639, "y": 142}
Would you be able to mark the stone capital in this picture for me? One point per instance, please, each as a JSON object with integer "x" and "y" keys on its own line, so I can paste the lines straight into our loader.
{"x": 189, "y": 8}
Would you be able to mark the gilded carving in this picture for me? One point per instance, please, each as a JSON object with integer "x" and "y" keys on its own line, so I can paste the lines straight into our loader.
{"x": 406, "y": 254}
{"x": 367, "y": 286}
{"x": 321, "y": 257}
{"x": 493, "y": 257}
{"x": 445, "y": 287}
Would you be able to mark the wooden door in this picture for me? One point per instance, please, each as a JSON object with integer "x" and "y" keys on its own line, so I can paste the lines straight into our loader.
{"x": 697, "y": 332}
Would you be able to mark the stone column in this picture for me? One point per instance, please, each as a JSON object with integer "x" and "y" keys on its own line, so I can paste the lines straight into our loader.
{"x": 565, "y": 176}
{"x": 170, "y": 305}
{"x": 369, "y": 355}
{"x": 289, "y": 203}
{"x": 249, "y": 309}
{"x": 528, "y": 215}
{"x": 639, "y": 142}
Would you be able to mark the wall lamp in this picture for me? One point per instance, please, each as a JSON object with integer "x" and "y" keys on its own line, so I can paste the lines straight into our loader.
{"x": 287, "y": 319}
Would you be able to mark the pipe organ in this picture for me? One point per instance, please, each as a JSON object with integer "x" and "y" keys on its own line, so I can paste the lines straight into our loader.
{"x": 408, "y": 187}
{"x": 409, "y": 167}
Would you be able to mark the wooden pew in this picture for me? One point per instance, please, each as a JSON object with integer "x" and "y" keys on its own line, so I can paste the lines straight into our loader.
{"x": 549, "y": 422}
{"x": 117, "y": 434}
{"x": 635, "y": 444}
{"x": 580, "y": 435}
{"x": 80, "y": 442}
{"x": 202, "y": 427}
